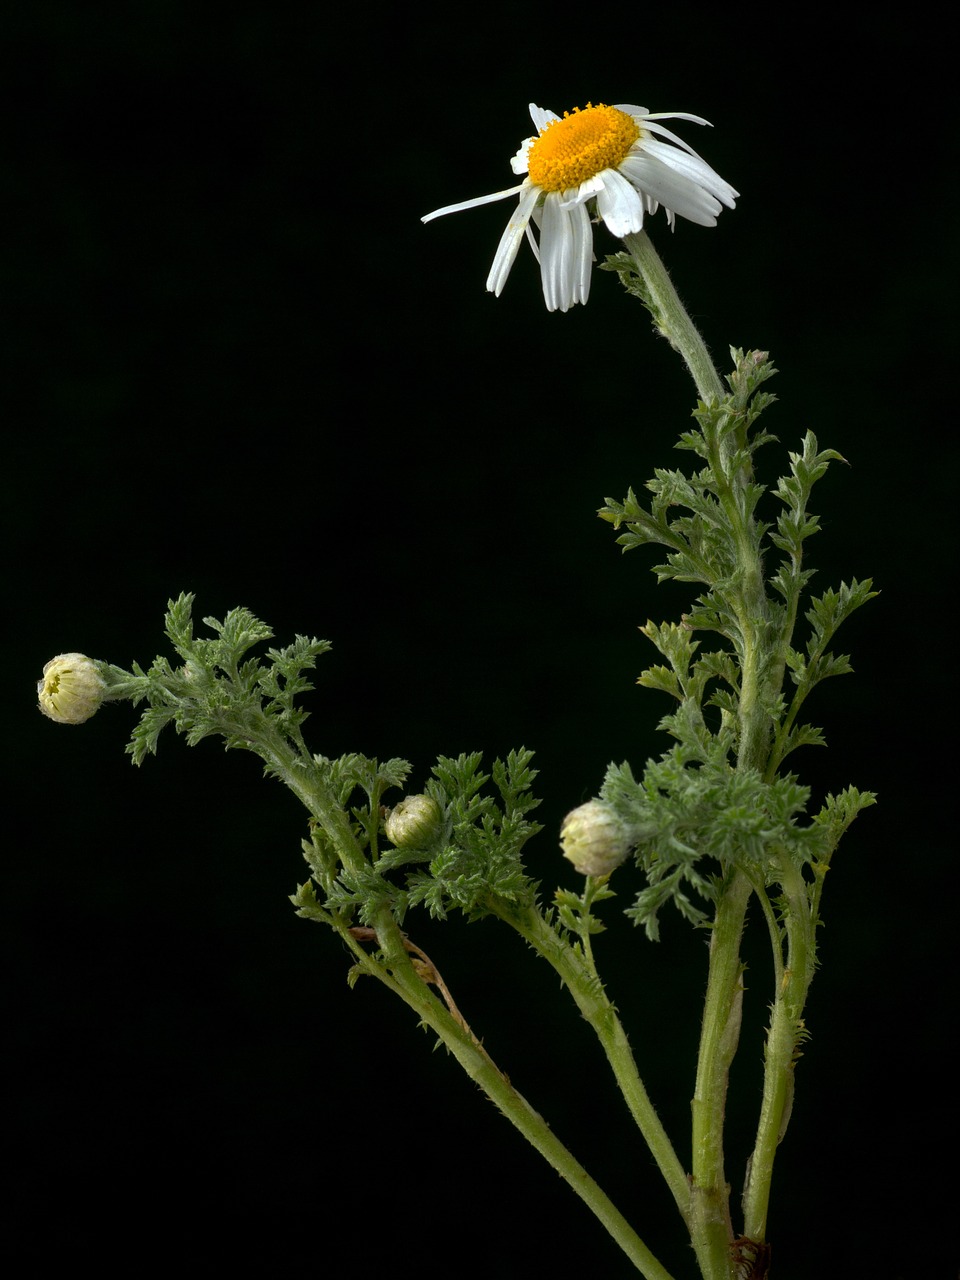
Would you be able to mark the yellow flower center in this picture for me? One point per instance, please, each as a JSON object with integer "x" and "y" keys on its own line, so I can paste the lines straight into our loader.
{"x": 571, "y": 150}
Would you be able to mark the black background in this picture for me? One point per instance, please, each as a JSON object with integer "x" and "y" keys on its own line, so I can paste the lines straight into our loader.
{"x": 237, "y": 364}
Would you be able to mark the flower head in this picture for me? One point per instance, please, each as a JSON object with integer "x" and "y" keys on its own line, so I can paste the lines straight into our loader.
{"x": 415, "y": 822}
{"x": 594, "y": 838}
{"x": 72, "y": 688}
{"x": 610, "y": 158}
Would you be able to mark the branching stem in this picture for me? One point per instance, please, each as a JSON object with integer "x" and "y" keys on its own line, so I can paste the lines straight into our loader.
{"x": 397, "y": 971}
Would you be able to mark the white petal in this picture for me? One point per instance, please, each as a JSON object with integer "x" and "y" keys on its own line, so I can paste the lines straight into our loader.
{"x": 519, "y": 163}
{"x": 672, "y": 189}
{"x": 666, "y": 133}
{"x": 510, "y": 240}
{"x": 577, "y": 195}
{"x": 541, "y": 117}
{"x": 678, "y": 115}
{"x": 693, "y": 167}
{"x": 472, "y": 204}
{"x": 532, "y": 242}
{"x": 619, "y": 204}
{"x": 566, "y": 252}
{"x": 629, "y": 109}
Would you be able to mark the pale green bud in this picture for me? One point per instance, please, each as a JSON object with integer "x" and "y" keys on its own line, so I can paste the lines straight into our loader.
{"x": 594, "y": 838}
{"x": 72, "y": 688}
{"x": 414, "y": 823}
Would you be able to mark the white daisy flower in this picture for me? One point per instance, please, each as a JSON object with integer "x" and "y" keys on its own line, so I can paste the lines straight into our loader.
{"x": 608, "y": 157}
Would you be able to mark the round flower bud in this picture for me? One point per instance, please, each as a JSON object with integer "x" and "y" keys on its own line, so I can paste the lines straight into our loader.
{"x": 415, "y": 822}
{"x": 594, "y": 838}
{"x": 72, "y": 688}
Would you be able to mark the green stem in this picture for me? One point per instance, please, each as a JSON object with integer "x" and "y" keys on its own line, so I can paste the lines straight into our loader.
{"x": 398, "y": 973}
{"x": 674, "y": 323}
{"x": 748, "y": 599}
{"x": 783, "y": 1037}
{"x": 671, "y": 316}
{"x": 711, "y": 1231}
{"x": 299, "y": 772}
{"x": 774, "y": 1113}
{"x": 583, "y": 983}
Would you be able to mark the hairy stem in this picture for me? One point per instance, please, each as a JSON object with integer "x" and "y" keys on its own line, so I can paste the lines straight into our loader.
{"x": 783, "y": 1037}
{"x": 671, "y": 316}
{"x": 710, "y": 1228}
{"x": 398, "y": 972}
{"x": 581, "y": 979}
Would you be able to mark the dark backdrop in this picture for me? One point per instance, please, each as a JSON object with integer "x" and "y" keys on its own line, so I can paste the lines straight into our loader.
{"x": 237, "y": 364}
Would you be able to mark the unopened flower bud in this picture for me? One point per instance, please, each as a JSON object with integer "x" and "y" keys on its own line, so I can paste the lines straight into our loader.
{"x": 594, "y": 838}
{"x": 72, "y": 688}
{"x": 415, "y": 822}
